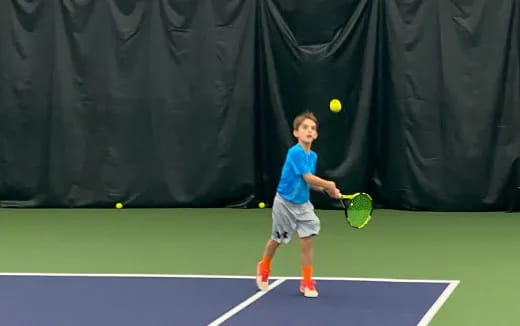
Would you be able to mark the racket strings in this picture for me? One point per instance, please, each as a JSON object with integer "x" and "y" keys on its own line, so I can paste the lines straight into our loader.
{"x": 359, "y": 210}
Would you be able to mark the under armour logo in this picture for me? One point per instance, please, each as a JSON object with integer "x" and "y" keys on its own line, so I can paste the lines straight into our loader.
{"x": 285, "y": 235}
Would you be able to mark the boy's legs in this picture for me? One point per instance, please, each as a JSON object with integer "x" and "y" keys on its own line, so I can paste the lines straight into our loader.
{"x": 308, "y": 227}
{"x": 269, "y": 251}
{"x": 307, "y": 285}
{"x": 263, "y": 269}
{"x": 284, "y": 224}
{"x": 306, "y": 251}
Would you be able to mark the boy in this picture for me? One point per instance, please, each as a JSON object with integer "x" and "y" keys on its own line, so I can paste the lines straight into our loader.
{"x": 292, "y": 210}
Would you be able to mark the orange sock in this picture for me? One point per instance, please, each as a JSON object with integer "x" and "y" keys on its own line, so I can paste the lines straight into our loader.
{"x": 307, "y": 273}
{"x": 266, "y": 262}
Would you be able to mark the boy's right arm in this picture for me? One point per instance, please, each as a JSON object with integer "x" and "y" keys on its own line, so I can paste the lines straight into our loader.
{"x": 329, "y": 186}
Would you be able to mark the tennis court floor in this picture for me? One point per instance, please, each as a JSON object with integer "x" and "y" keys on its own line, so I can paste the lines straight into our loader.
{"x": 116, "y": 299}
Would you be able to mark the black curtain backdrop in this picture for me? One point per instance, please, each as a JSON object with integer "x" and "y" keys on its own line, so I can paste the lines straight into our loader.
{"x": 177, "y": 103}
{"x": 145, "y": 102}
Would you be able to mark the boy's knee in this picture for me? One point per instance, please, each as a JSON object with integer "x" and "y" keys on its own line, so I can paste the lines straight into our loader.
{"x": 306, "y": 241}
{"x": 274, "y": 243}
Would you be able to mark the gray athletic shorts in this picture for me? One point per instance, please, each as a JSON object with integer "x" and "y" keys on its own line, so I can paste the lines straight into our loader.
{"x": 289, "y": 217}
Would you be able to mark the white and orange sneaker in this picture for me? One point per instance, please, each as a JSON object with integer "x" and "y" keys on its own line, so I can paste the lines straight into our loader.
{"x": 308, "y": 288}
{"x": 262, "y": 277}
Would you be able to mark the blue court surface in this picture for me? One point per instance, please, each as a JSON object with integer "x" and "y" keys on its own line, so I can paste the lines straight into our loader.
{"x": 77, "y": 300}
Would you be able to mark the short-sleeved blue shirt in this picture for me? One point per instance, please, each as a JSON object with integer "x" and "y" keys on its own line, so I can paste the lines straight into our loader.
{"x": 292, "y": 186}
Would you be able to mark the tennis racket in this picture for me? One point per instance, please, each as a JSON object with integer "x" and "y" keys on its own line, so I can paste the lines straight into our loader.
{"x": 358, "y": 209}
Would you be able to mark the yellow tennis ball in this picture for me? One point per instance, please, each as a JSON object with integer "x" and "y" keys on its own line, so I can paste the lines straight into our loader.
{"x": 335, "y": 105}
{"x": 261, "y": 204}
{"x": 119, "y": 205}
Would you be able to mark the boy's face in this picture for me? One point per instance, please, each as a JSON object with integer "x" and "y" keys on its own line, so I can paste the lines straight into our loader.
{"x": 306, "y": 132}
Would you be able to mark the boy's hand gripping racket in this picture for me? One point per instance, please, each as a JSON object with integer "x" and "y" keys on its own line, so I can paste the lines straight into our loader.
{"x": 358, "y": 209}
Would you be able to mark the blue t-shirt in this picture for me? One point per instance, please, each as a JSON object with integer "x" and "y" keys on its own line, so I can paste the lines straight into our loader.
{"x": 292, "y": 186}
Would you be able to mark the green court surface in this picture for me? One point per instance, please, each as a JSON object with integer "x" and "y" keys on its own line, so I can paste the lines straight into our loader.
{"x": 481, "y": 250}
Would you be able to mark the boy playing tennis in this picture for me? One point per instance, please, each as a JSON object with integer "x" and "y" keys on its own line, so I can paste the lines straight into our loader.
{"x": 292, "y": 210}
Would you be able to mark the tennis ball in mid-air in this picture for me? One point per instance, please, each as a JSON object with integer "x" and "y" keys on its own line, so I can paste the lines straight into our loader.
{"x": 119, "y": 205}
{"x": 335, "y": 105}
{"x": 261, "y": 204}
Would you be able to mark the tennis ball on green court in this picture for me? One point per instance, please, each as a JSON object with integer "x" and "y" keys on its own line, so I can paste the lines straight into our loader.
{"x": 261, "y": 204}
{"x": 119, "y": 205}
{"x": 335, "y": 105}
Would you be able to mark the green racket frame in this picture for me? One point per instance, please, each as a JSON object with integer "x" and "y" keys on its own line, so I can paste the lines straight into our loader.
{"x": 357, "y": 216}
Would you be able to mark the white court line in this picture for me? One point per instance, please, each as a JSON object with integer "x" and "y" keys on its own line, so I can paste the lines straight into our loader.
{"x": 427, "y": 318}
{"x": 230, "y": 276}
{"x": 244, "y": 304}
